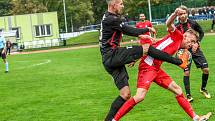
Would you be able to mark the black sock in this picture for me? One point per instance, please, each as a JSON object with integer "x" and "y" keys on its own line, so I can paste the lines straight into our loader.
{"x": 187, "y": 84}
{"x": 117, "y": 103}
{"x": 204, "y": 80}
{"x": 157, "y": 54}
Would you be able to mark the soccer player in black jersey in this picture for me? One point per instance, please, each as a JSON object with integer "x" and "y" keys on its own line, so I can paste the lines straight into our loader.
{"x": 115, "y": 57}
{"x": 197, "y": 54}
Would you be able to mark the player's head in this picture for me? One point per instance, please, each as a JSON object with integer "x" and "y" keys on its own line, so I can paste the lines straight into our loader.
{"x": 190, "y": 37}
{"x": 184, "y": 14}
{"x": 142, "y": 17}
{"x": 115, "y": 6}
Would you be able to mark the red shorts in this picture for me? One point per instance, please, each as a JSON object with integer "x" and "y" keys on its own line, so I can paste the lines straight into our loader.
{"x": 146, "y": 77}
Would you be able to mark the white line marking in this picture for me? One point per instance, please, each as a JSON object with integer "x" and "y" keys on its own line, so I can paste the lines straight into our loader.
{"x": 36, "y": 64}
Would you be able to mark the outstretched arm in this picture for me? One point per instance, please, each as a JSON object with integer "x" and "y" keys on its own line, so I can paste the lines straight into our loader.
{"x": 170, "y": 21}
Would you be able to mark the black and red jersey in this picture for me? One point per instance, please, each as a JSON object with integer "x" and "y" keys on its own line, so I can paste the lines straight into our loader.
{"x": 112, "y": 28}
{"x": 183, "y": 27}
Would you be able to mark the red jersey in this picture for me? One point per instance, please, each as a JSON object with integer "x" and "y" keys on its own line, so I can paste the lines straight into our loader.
{"x": 144, "y": 24}
{"x": 169, "y": 44}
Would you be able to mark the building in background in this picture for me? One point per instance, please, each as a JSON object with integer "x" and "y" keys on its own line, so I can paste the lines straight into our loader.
{"x": 32, "y": 30}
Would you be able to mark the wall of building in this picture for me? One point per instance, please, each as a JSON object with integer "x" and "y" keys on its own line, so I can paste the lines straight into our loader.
{"x": 27, "y": 29}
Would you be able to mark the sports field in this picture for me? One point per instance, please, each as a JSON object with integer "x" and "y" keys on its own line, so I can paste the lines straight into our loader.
{"x": 73, "y": 86}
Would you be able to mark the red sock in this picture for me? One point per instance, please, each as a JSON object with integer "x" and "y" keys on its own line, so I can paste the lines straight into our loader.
{"x": 185, "y": 105}
{"x": 127, "y": 106}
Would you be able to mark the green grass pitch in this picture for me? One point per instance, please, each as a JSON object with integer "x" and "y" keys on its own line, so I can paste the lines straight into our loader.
{"x": 73, "y": 86}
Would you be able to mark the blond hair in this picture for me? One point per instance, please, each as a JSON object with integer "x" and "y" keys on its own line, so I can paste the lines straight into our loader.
{"x": 110, "y": 1}
{"x": 184, "y": 8}
{"x": 193, "y": 32}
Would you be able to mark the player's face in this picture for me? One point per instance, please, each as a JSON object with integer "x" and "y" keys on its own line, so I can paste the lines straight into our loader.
{"x": 188, "y": 40}
{"x": 142, "y": 17}
{"x": 183, "y": 15}
{"x": 118, "y": 6}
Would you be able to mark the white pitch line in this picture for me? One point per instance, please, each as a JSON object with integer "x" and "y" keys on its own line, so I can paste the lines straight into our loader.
{"x": 47, "y": 61}
{"x": 36, "y": 64}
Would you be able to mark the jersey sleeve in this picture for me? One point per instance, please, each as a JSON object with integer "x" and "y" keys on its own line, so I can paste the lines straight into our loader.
{"x": 131, "y": 31}
{"x": 176, "y": 34}
{"x": 118, "y": 25}
{"x": 137, "y": 25}
{"x": 198, "y": 28}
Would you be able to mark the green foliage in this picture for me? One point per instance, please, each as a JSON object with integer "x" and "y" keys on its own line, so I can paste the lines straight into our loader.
{"x": 79, "y": 12}
{"x": 27, "y": 7}
{"x": 5, "y": 7}
{"x": 74, "y": 86}
{"x": 99, "y": 7}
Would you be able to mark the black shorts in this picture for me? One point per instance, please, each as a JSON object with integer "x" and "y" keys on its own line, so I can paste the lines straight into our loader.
{"x": 114, "y": 62}
{"x": 3, "y": 56}
{"x": 199, "y": 60}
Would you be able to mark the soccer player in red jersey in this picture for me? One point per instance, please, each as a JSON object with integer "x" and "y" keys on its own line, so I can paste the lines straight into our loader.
{"x": 143, "y": 23}
{"x": 150, "y": 71}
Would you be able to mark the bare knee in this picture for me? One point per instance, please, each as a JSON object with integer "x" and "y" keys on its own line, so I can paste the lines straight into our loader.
{"x": 139, "y": 98}
{"x": 125, "y": 93}
{"x": 205, "y": 70}
{"x": 140, "y": 95}
{"x": 187, "y": 73}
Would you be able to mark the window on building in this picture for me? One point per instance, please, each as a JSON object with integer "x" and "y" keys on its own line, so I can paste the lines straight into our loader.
{"x": 1, "y": 30}
{"x": 17, "y": 32}
{"x": 43, "y": 30}
{"x": 48, "y": 28}
{"x": 37, "y": 30}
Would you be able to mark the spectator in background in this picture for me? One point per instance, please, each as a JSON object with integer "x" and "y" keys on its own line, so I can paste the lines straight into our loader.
{"x": 3, "y": 52}
{"x": 212, "y": 10}
{"x": 213, "y": 22}
{"x": 193, "y": 12}
{"x": 207, "y": 10}
{"x": 8, "y": 46}
{"x": 200, "y": 11}
{"x": 204, "y": 11}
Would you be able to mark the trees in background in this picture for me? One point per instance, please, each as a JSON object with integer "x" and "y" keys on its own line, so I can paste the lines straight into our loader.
{"x": 80, "y": 12}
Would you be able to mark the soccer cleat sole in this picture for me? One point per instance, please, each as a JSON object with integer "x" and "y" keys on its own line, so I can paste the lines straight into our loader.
{"x": 208, "y": 96}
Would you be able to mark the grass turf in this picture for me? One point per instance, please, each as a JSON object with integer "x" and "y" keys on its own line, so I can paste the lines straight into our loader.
{"x": 73, "y": 86}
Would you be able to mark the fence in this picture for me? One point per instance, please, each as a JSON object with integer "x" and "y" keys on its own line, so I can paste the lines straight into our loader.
{"x": 161, "y": 11}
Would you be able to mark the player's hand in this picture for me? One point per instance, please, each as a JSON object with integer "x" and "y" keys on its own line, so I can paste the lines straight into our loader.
{"x": 152, "y": 30}
{"x": 195, "y": 47}
{"x": 176, "y": 11}
{"x": 130, "y": 65}
{"x": 184, "y": 58}
{"x": 146, "y": 37}
{"x": 179, "y": 11}
{"x": 184, "y": 64}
